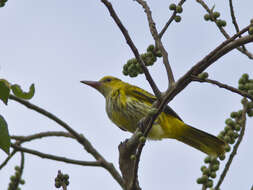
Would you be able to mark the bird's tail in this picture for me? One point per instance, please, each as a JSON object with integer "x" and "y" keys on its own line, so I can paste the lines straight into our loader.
{"x": 202, "y": 141}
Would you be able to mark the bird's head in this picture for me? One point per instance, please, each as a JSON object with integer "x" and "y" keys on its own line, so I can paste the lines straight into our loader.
{"x": 105, "y": 85}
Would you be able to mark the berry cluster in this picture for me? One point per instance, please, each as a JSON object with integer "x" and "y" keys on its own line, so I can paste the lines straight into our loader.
{"x": 214, "y": 17}
{"x": 16, "y": 179}
{"x": 178, "y": 9}
{"x": 209, "y": 173}
{"x": 133, "y": 68}
{"x": 61, "y": 180}
{"x": 229, "y": 134}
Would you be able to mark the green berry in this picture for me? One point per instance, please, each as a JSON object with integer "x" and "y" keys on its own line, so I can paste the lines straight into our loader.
{"x": 179, "y": 9}
{"x": 230, "y": 133}
{"x": 242, "y": 80}
{"x": 57, "y": 184}
{"x": 199, "y": 181}
{"x": 227, "y": 128}
{"x": 234, "y": 114}
{"x": 241, "y": 87}
{"x": 2, "y": 4}
{"x": 13, "y": 178}
{"x": 227, "y": 148}
{"x": 215, "y": 167}
{"x": 250, "y": 105}
{"x": 245, "y": 76}
{"x": 213, "y": 175}
{"x": 222, "y": 157}
{"x": 240, "y": 113}
{"x": 172, "y": 7}
{"x": 67, "y": 183}
{"x": 17, "y": 168}
{"x": 206, "y": 171}
{"x": 207, "y": 159}
{"x": 216, "y": 14}
{"x": 230, "y": 122}
{"x": 125, "y": 72}
{"x": 151, "y": 48}
{"x": 142, "y": 139}
{"x": 235, "y": 135}
{"x": 133, "y": 74}
{"x": 207, "y": 17}
{"x": 22, "y": 182}
{"x": 209, "y": 183}
{"x": 221, "y": 23}
{"x": 237, "y": 127}
{"x": 249, "y": 86}
{"x": 204, "y": 178}
{"x": 227, "y": 138}
{"x": 203, "y": 75}
{"x": 203, "y": 168}
{"x": 250, "y": 113}
{"x": 177, "y": 18}
{"x": 232, "y": 141}
{"x": 66, "y": 176}
{"x": 250, "y": 30}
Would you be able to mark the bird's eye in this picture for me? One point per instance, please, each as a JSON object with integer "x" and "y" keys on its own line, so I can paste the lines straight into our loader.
{"x": 107, "y": 80}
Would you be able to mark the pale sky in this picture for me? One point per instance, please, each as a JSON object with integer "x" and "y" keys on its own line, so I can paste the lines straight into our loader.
{"x": 55, "y": 44}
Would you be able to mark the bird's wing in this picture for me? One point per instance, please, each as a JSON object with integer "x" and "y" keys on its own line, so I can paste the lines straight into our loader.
{"x": 147, "y": 97}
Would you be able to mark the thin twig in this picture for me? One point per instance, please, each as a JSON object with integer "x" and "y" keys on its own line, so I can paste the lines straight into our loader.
{"x": 7, "y": 159}
{"x": 170, "y": 20}
{"x": 225, "y": 86}
{"x": 42, "y": 135}
{"x": 225, "y": 34}
{"x": 80, "y": 138}
{"x": 158, "y": 41}
{"x": 232, "y": 13}
{"x": 133, "y": 47}
{"x": 55, "y": 158}
{"x": 235, "y": 148}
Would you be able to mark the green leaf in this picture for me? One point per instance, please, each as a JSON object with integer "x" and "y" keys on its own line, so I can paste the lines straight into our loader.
{"x": 17, "y": 91}
{"x": 5, "y": 141}
{"x": 4, "y": 90}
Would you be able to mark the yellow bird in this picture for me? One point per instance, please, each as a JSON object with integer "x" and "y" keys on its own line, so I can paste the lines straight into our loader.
{"x": 126, "y": 104}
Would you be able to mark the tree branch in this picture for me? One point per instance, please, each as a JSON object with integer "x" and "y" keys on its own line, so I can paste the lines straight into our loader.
{"x": 42, "y": 135}
{"x": 158, "y": 41}
{"x": 225, "y": 34}
{"x": 224, "y": 86}
{"x": 170, "y": 20}
{"x": 133, "y": 47}
{"x": 56, "y": 158}
{"x": 235, "y": 148}
{"x": 7, "y": 159}
{"x": 80, "y": 138}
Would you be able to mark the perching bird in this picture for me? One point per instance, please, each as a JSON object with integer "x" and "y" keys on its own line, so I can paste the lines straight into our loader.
{"x": 126, "y": 105}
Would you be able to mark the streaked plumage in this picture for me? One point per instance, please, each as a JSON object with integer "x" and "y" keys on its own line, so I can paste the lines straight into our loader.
{"x": 127, "y": 104}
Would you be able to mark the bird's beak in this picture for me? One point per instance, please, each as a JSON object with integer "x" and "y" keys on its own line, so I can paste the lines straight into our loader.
{"x": 94, "y": 84}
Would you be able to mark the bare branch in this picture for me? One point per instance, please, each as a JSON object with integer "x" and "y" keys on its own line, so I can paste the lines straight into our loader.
{"x": 225, "y": 34}
{"x": 158, "y": 41}
{"x": 7, "y": 159}
{"x": 221, "y": 85}
{"x": 53, "y": 157}
{"x": 80, "y": 138}
{"x": 133, "y": 47}
{"x": 42, "y": 135}
{"x": 235, "y": 148}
